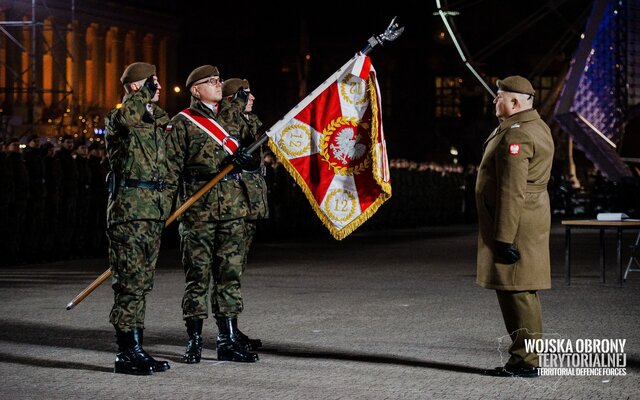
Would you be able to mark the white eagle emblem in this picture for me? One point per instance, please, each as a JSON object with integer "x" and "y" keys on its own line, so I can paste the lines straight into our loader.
{"x": 347, "y": 147}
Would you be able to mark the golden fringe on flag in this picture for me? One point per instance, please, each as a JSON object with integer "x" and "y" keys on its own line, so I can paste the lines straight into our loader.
{"x": 376, "y": 156}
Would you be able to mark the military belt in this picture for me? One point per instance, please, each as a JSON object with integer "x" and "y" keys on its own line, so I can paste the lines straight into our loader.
{"x": 151, "y": 185}
{"x": 194, "y": 178}
{"x": 260, "y": 170}
{"x": 536, "y": 187}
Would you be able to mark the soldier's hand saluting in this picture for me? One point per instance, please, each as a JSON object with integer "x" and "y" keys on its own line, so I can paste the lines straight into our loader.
{"x": 151, "y": 86}
{"x": 242, "y": 95}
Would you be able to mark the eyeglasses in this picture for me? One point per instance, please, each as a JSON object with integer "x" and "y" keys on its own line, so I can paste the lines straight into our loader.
{"x": 212, "y": 81}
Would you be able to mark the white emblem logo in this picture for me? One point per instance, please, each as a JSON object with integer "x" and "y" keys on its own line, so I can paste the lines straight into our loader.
{"x": 347, "y": 147}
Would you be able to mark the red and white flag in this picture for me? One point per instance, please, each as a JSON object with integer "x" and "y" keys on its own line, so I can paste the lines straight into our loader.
{"x": 332, "y": 143}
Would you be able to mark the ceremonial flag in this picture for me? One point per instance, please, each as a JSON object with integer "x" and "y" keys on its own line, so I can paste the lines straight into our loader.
{"x": 332, "y": 143}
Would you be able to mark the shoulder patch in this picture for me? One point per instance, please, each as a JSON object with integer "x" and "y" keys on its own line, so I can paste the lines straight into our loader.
{"x": 514, "y": 149}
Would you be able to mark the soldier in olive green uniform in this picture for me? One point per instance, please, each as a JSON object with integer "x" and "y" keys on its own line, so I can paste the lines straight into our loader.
{"x": 514, "y": 218}
{"x": 212, "y": 231}
{"x": 138, "y": 206}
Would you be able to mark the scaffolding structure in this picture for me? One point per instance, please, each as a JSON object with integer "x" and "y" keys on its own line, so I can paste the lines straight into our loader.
{"x": 600, "y": 87}
{"x": 34, "y": 41}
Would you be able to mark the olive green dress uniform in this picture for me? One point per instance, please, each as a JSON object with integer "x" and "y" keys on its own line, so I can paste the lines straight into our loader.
{"x": 513, "y": 207}
{"x": 136, "y": 147}
{"x": 212, "y": 230}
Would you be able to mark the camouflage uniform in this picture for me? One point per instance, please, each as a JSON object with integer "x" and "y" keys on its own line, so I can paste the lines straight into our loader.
{"x": 212, "y": 231}
{"x": 254, "y": 181}
{"x": 138, "y": 205}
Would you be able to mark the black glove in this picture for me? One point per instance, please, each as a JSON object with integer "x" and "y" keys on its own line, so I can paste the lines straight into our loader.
{"x": 243, "y": 159}
{"x": 506, "y": 253}
{"x": 242, "y": 95}
{"x": 151, "y": 86}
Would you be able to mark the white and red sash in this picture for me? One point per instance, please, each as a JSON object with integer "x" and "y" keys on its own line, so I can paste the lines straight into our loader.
{"x": 213, "y": 129}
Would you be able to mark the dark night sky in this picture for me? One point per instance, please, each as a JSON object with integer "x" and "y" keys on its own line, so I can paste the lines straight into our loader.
{"x": 247, "y": 41}
{"x": 501, "y": 39}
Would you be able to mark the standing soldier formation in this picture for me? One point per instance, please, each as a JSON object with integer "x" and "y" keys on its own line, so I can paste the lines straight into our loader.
{"x": 18, "y": 197}
{"x": 36, "y": 204}
{"x": 137, "y": 208}
{"x": 514, "y": 219}
{"x": 68, "y": 195}
{"x": 212, "y": 232}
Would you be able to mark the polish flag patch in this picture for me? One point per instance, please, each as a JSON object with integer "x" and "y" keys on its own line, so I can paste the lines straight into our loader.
{"x": 514, "y": 149}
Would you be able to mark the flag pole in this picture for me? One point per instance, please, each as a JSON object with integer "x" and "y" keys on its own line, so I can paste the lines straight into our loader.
{"x": 390, "y": 34}
{"x": 188, "y": 203}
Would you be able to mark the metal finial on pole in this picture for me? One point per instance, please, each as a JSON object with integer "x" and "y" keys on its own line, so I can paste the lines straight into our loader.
{"x": 390, "y": 34}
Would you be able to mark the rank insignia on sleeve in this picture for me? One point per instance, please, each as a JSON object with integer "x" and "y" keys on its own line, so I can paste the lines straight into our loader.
{"x": 514, "y": 149}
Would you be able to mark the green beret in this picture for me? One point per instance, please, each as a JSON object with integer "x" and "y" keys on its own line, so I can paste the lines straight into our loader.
{"x": 516, "y": 84}
{"x": 137, "y": 71}
{"x": 204, "y": 71}
{"x": 230, "y": 86}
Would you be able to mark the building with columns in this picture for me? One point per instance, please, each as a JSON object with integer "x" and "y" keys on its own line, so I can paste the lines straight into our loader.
{"x": 61, "y": 61}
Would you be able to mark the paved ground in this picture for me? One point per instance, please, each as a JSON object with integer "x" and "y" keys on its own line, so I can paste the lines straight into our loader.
{"x": 388, "y": 315}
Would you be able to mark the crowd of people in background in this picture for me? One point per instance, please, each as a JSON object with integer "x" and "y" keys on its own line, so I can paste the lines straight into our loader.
{"x": 423, "y": 193}
{"x": 54, "y": 197}
{"x": 53, "y": 200}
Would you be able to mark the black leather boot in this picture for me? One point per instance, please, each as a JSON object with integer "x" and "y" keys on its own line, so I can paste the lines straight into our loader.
{"x": 158, "y": 366}
{"x": 250, "y": 344}
{"x": 129, "y": 360}
{"x": 228, "y": 344}
{"x": 194, "y": 346}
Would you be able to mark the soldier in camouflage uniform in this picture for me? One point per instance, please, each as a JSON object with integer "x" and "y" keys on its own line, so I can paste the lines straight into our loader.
{"x": 254, "y": 180}
{"x": 213, "y": 233}
{"x": 137, "y": 209}
{"x": 248, "y": 123}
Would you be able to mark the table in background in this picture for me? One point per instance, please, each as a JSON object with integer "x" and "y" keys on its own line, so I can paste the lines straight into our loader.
{"x": 600, "y": 225}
